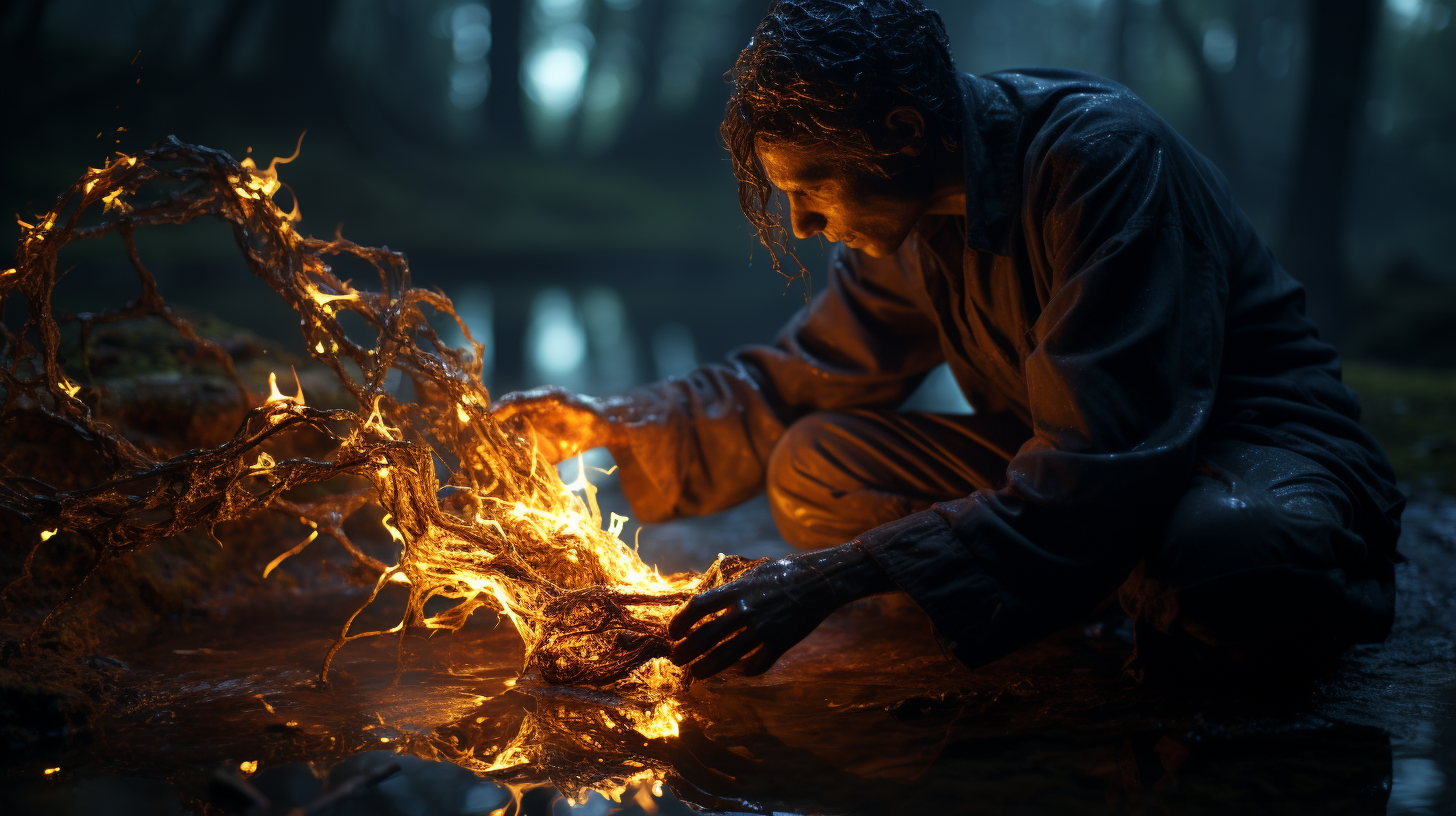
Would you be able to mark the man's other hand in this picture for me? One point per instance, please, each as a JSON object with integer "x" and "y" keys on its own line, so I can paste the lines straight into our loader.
{"x": 565, "y": 423}
{"x": 768, "y": 609}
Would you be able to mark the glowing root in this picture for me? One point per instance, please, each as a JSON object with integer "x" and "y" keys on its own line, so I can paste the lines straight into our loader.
{"x": 514, "y": 537}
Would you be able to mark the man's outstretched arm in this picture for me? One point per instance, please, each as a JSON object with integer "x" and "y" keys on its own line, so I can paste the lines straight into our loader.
{"x": 700, "y": 443}
{"x": 565, "y": 423}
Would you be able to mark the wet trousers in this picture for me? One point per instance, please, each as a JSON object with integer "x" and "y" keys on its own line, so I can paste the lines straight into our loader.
{"x": 1257, "y": 563}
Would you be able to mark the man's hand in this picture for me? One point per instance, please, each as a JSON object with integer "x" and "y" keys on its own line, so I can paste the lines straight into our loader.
{"x": 565, "y": 423}
{"x": 770, "y": 608}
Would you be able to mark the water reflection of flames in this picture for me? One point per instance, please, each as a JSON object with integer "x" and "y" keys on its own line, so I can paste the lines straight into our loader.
{"x": 582, "y": 744}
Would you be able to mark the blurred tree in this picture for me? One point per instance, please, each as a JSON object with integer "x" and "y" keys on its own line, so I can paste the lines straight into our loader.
{"x": 1342, "y": 34}
{"x": 641, "y": 132}
{"x": 300, "y": 32}
{"x": 1225, "y": 152}
{"x": 223, "y": 40}
{"x": 503, "y": 113}
{"x": 1122, "y": 18}
{"x": 27, "y": 34}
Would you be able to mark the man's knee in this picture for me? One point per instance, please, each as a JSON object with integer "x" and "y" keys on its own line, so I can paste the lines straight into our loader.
{"x": 1217, "y": 529}
{"x": 818, "y": 486}
{"x": 1262, "y": 578}
{"x": 800, "y": 489}
{"x": 1211, "y": 534}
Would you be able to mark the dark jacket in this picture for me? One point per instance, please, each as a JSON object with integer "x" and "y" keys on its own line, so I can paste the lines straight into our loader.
{"x": 1108, "y": 292}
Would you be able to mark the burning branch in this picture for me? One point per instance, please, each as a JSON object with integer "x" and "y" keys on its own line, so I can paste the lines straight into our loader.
{"x": 516, "y": 538}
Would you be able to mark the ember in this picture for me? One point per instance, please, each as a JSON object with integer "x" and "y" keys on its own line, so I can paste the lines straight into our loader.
{"x": 515, "y": 538}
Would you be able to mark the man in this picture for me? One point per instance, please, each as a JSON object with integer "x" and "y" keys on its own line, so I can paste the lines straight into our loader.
{"x": 1155, "y": 416}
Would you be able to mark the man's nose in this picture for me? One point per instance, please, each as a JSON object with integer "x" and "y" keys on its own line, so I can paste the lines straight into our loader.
{"x": 807, "y": 223}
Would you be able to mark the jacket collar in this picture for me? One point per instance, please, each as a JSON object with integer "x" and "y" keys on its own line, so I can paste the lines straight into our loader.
{"x": 988, "y": 143}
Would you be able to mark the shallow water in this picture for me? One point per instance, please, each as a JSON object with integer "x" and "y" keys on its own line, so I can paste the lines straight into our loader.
{"x": 867, "y": 716}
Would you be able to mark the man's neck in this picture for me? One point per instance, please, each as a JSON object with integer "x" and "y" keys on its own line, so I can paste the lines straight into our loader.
{"x": 949, "y": 195}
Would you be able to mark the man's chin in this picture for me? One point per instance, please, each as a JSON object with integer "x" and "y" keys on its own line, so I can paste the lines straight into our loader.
{"x": 874, "y": 248}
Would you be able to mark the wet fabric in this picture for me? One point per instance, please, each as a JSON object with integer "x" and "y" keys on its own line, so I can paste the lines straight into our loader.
{"x": 1255, "y": 563}
{"x": 1259, "y": 564}
{"x": 835, "y": 474}
{"x": 1104, "y": 291}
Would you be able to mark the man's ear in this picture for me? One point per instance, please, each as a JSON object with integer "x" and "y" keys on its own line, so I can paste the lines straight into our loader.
{"x": 907, "y": 129}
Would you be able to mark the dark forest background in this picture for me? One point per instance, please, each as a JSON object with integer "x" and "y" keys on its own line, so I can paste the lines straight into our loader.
{"x": 554, "y": 165}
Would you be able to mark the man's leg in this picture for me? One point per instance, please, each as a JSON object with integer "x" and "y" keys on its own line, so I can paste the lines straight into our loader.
{"x": 1259, "y": 568}
{"x": 835, "y": 474}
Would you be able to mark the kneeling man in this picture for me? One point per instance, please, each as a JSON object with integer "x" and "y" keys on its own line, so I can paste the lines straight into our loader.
{"x": 1155, "y": 415}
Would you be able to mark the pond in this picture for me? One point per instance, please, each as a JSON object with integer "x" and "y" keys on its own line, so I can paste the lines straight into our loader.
{"x": 867, "y": 716}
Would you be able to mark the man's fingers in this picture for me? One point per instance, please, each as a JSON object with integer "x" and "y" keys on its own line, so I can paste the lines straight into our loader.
{"x": 504, "y": 408}
{"x": 705, "y": 637}
{"x": 699, "y": 607}
{"x": 518, "y": 402}
{"x": 763, "y": 659}
{"x": 726, "y": 654}
{"x": 510, "y": 405}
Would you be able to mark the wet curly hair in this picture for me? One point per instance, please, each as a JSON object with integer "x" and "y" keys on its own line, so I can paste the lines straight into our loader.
{"x": 824, "y": 74}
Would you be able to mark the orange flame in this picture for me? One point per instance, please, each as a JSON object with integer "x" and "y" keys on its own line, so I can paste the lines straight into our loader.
{"x": 261, "y": 185}
{"x": 376, "y": 423}
{"x": 325, "y": 300}
{"x": 660, "y": 723}
{"x": 112, "y": 201}
{"x": 276, "y": 396}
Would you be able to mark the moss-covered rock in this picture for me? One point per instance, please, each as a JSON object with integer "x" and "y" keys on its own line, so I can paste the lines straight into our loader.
{"x": 1412, "y": 411}
{"x": 168, "y": 395}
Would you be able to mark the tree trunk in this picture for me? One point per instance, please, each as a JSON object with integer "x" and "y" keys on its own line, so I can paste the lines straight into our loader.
{"x": 1225, "y": 147}
{"x": 504, "y": 117}
{"x": 28, "y": 32}
{"x": 1120, "y": 21}
{"x": 298, "y": 42}
{"x": 223, "y": 40}
{"x": 641, "y": 132}
{"x": 1342, "y": 37}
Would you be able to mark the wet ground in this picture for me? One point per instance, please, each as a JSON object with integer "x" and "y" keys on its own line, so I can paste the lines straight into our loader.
{"x": 867, "y": 716}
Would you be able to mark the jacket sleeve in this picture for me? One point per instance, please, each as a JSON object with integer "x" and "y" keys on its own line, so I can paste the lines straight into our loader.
{"x": 700, "y": 443}
{"x": 1121, "y": 377}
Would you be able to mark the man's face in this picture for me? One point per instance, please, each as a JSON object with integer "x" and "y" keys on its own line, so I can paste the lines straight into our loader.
{"x": 863, "y": 210}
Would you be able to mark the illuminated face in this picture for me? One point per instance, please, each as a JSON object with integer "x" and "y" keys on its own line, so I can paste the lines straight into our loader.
{"x": 863, "y": 210}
